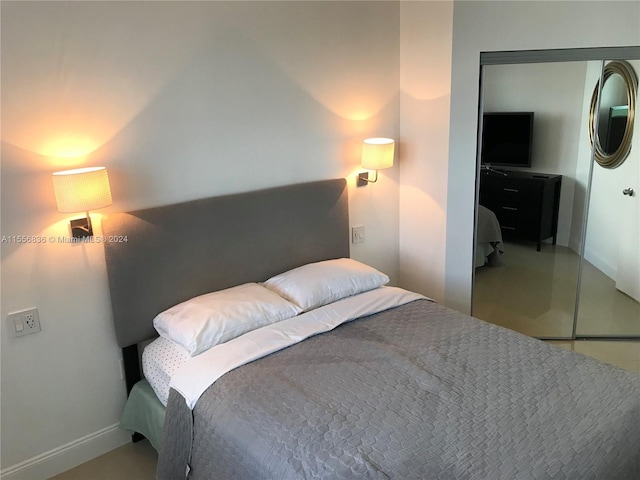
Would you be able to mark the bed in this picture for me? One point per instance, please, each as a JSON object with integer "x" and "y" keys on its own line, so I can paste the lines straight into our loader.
{"x": 489, "y": 246}
{"x": 382, "y": 383}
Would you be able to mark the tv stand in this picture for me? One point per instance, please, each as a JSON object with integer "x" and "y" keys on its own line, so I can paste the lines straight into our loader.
{"x": 525, "y": 203}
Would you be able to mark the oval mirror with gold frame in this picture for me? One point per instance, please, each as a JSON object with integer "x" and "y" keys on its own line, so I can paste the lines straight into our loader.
{"x": 615, "y": 116}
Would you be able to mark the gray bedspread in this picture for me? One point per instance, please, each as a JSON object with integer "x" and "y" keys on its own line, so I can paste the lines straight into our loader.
{"x": 416, "y": 392}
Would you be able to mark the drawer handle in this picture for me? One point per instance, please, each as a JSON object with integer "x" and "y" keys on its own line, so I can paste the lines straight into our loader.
{"x": 510, "y": 208}
{"x": 515, "y": 190}
{"x": 508, "y": 228}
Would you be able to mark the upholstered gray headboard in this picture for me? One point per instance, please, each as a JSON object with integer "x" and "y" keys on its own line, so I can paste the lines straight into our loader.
{"x": 176, "y": 252}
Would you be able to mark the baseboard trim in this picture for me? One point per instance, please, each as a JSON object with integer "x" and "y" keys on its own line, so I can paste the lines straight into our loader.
{"x": 67, "y": 456}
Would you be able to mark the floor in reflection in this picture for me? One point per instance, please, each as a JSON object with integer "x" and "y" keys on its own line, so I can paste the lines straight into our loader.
{"x": 535, "y": 293}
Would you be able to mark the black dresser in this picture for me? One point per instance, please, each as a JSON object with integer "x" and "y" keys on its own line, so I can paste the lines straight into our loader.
{"x": 526, "y": 203}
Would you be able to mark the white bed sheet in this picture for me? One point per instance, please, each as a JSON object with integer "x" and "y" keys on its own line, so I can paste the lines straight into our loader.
{"x": 200, "y": 372}
{"x": 160, "y": 360}
{"x": 166, "y": 364}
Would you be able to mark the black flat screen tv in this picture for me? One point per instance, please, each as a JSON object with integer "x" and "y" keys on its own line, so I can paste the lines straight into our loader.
{"x": 507, "y": 138}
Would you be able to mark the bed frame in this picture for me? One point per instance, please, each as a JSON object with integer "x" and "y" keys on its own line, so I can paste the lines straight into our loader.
{"x": 176, "y": 252}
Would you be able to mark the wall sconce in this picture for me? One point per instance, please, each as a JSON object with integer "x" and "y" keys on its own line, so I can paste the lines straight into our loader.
{"x": 81, "y": 190}
{"x": 377, "y": 153}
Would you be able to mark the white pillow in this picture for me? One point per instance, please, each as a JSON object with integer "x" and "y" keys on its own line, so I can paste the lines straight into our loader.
{"x": 205, "y": 321}
{"x": 317, "y": 284}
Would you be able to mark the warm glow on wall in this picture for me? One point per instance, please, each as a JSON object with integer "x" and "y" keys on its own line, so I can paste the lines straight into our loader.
{"x": 68, "y": 147}
{"x": 355, "y": 108}
{"x": 65, "y": 136}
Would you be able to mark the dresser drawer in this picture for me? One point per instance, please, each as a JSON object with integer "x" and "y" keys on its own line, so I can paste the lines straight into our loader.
{"x": 520, "y": 222}
{"x": 517, "y": 193}
{"x": 516, "y": 208}
{"x": 526, "y": 205}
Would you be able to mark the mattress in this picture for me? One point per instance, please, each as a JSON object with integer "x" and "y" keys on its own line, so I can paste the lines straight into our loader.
{"x": 160, "y": 360}
{"x": 414, "y": 392}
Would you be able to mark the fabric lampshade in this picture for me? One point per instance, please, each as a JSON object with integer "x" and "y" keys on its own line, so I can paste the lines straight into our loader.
{"x": 377, "y": 153}
{"x": 82, "y": 189}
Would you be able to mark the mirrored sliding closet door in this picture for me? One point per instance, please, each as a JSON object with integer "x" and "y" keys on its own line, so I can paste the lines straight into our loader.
{"x": 609, "y": 295}
{"x": 552, "y": 257}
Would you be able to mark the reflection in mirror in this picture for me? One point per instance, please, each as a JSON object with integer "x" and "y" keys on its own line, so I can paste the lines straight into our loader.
{"x": 615, "y": 114}
{"x": 533, "y": 288}
{"x": 609, "y": 295}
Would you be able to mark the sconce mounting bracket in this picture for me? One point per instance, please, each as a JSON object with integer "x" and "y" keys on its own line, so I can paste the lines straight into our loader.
{"x": 81, "y": 228}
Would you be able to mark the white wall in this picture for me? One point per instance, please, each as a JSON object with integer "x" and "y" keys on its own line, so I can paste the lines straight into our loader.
{"x": 425, "y": 79}
{"x": 179, "y": 100}
{"x": 554, "y": 92}
{"x": 500, "y": 26}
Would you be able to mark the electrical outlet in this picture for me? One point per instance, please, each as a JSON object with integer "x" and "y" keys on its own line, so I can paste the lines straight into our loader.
{"x": 357, "y": 234}
{"x": 23, "y": 322}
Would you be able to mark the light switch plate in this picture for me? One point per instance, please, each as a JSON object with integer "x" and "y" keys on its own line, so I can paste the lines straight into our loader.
{"x": 357, "y": 234}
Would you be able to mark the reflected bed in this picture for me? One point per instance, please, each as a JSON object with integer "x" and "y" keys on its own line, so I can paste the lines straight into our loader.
{"x": 489, "y": 246}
